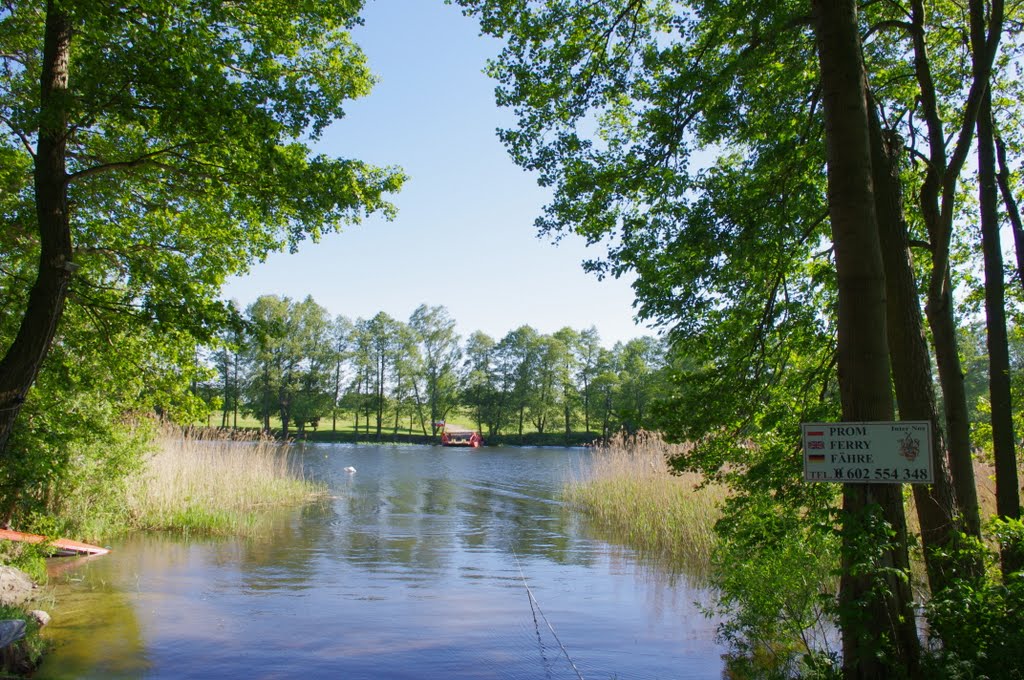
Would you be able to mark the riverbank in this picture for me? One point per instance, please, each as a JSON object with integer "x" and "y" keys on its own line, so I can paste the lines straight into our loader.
{"x": 189, "y": 484}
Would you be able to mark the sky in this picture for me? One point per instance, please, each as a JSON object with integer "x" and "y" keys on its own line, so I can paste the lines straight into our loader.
{"x": 464, "y": 236}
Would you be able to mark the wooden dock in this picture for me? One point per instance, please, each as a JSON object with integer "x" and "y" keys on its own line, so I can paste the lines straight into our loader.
{"x": 62, "y": 546}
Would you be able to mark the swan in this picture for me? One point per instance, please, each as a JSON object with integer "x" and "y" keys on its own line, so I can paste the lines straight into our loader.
{"x": 350, "y": 469}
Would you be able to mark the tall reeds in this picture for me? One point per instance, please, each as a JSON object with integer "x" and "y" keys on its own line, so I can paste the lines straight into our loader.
{"x": 198, "y": 483}
{"x": 627, "y": 487}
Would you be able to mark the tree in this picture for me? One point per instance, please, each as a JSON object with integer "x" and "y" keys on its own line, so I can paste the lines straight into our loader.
{"x": 641, "y": 360}
{"x": 407, "y": 366}
{"x": 1003, "y": 439}
{"x": 384, "y": 336}
{"x": 481, "y": 391}
{"x": 155, "y": 150}
{"x": 545, "y": 396}
{"x": 568, "y": 371}
{"x": 289, "y": 359}
{"x": 619, "y": 104}
{"x": 863, "y": 363}
{"x": 518, "y": 361}
{"x": 312, "y": 333}
{"x": 224, "y": 355}
{"x": 266, "y": 358}
{"x": 606, "y": 385}
{"x": 441, "y": 353}
{"x": 342, "y": 342}
{"x": 587, "y": 350}
{"x": 363, "y": 365}
{"x": 938, "y": 200}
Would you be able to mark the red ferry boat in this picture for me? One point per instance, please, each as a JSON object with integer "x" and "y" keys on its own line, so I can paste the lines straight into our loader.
{"x": 462, "y": 438}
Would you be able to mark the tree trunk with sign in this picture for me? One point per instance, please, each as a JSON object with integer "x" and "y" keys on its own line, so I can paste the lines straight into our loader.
{"x": 876, "y": 610}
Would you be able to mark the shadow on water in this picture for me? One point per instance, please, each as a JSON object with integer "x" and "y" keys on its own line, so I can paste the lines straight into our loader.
{"x": 418, "y": 566}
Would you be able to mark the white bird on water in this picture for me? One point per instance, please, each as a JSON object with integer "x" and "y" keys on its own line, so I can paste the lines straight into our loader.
{"x": 350, "y": 469}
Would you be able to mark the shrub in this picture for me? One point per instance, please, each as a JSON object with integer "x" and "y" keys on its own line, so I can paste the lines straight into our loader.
{"x": 976, "y": 622}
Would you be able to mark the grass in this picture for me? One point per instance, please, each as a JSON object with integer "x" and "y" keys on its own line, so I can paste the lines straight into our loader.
{"x": 626, "y": 486}
{"x": 198, "y": 484}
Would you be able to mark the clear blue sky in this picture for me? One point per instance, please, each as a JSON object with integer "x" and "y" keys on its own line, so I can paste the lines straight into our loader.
{"x": 464, "y": 237}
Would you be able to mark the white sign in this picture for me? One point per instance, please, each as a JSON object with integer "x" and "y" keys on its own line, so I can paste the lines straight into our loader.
{"x": 868, "y": 452}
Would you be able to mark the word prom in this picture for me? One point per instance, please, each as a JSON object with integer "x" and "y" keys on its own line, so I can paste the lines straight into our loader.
{"x": 874, "y": 452}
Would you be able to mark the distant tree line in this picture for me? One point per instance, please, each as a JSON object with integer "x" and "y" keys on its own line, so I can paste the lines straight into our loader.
{"x": 290, "y": 360}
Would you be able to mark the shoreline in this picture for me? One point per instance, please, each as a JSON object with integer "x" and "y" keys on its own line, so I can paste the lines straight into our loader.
{"x": 558, "y": 439}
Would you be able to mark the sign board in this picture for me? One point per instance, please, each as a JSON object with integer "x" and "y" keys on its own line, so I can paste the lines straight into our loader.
{"x": 876, "y": 453}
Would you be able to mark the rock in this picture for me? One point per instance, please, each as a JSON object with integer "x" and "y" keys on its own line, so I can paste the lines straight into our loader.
{"x": 40, "y": 617}
{"x": 11, "y": 630}
{"x": 16, "y": 588}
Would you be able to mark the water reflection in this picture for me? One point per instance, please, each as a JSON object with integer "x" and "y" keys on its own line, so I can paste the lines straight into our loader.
{"x": 417, "y": 567}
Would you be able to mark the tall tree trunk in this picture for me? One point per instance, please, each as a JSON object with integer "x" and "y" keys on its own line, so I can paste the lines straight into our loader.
{"x": 1012, "y": 209}
{"x": 937, "y": 200}
{"x": 20, "y": 365}
{"x": 878, "y": 628}
{"x": 942, "y": 321}
{"x": 586, "y": 406}
{"x": 227, "y": 390}
{"x": 285, "y": 420}
{"x": 237, "y": 394}
{"x": 398, "y": 407}
{"x": 380, "y": 396}
{"x": 337, "y": 396}
{"x": 1007, "y": 491}
{"x": 908, "y": 350}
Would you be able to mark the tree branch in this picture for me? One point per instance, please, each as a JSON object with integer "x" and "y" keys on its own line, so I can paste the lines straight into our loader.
{"x": 122, "y": 165}
{"x": 20, "y": 135}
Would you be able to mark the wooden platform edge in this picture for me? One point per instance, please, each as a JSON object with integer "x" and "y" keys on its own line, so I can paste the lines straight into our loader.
{"x": 63, "y": 544}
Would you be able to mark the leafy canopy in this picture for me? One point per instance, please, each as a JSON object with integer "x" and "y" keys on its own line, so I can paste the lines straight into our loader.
{"x": 189, "y": 142}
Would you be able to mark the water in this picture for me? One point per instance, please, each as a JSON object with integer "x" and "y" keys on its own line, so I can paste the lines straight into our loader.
{"x": 420, "y": 566}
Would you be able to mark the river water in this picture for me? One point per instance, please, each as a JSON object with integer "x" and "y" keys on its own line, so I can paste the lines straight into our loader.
{"x": 426, "y": 563}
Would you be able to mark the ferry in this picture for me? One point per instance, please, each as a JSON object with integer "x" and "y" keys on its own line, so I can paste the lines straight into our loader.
{"x": 462, "y": 438}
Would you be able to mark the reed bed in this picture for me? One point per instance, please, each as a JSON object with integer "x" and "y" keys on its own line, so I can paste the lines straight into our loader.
{"x": 626, "y": 486}
{"x": 197, "y": 483}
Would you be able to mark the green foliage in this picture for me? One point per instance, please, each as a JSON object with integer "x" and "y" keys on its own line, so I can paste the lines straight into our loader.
{"x": 185, "y": 163}
{"x": 975, "y": 362}
{"x": 77, "y": 438}
{"x": 688, "y": 138}
{"x": 439, "y": 348}
{"x": 27, "y": 557}
{"x": 288, "y": 353}
{"x": 187, "y": 157}
{"x": 775, "y": 565}
{"x": 976, "y": 622}
{"x": 289, "y": 362}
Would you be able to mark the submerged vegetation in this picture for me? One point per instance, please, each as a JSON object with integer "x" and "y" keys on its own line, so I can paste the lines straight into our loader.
{"x": 628, "y": 489}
